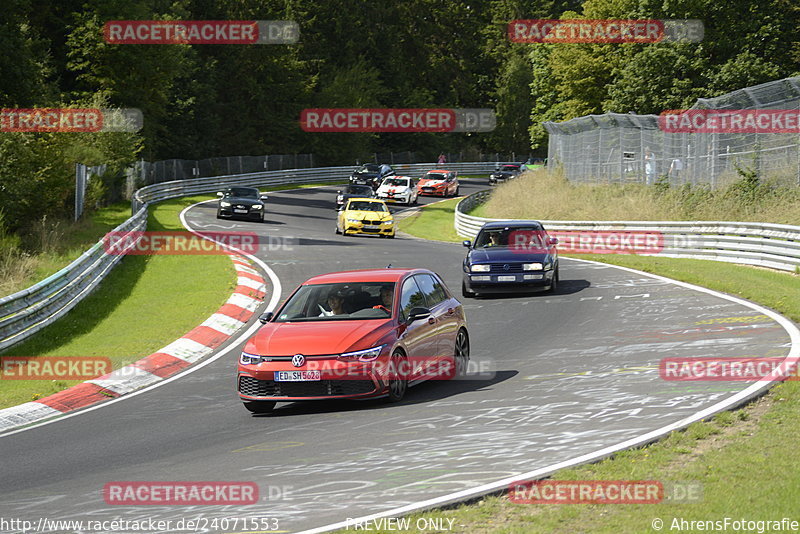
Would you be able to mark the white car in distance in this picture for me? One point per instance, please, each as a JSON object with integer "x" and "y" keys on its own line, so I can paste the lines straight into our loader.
{"x": 400, "y": 189}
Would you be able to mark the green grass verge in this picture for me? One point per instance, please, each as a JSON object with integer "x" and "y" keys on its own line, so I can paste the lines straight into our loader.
{"x": 434, "y": 221}
{"x": 65, "y": 243}
{"x": 145, "y": 303}
{"x": 744, "y": 459}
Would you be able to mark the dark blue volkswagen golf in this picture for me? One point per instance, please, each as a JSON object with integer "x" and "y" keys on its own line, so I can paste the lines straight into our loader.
{"x": 510, "y": 256}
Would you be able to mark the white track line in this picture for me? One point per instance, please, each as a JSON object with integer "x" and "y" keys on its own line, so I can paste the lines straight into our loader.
{"x": 738, "y": 398}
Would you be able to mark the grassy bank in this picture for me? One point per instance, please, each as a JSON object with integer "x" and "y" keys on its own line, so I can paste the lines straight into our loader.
{"x": 744, "y": 459}
{"x": 49, "y": 246}
{"x": 145, "y": 303}
{"x": 547, "y": 195}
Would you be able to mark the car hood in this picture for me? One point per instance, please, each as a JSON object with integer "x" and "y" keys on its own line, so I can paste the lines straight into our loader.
{"x": 371, "y": 215}
{"x": 429, "y": 182}
{"x": 393, "y": 189}
{"x": 245, "y": 201}
{"x": 316, "y": 337}
{"x": 504, "y": 254}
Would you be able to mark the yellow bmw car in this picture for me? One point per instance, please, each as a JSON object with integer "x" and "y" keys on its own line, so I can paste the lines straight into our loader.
{"x": 365, "y": 216}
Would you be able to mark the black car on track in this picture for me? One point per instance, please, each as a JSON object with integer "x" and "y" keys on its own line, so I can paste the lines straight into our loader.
{"x": 506, "y": 172}
{"x": 353, "y": 191}
{"x": 241, "y": 203}
{"x": 510, "y": 256}
{"x": 371, "y": 174}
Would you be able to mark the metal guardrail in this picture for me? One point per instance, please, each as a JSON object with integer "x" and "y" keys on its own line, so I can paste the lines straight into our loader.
{"x": 776, "y": 246}
{"x": 179, "y": 188}
{"x": 24, "y": 313}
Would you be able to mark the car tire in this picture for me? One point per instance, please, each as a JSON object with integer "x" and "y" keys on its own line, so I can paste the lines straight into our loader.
{"x": 456, "y": 192}
{"x": 259, "y": 407}
{"x": 337, "y": 230}
{"x": 554, "y": 284}
{"x": 390, "y": 236}
{"x": 398, "y": 387}
{"x": 218, "y": 215}
{"x": 467, "y": 293}
{"x": 461, "y": 353}
{"x": 262, "y": 218}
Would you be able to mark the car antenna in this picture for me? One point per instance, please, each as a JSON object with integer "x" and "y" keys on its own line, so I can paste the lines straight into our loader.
{"x": 389, "y": 266}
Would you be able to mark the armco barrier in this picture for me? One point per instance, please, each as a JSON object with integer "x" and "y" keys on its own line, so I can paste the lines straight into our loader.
{"x": 28, "y": 311}
{"x": 776, "y": 246}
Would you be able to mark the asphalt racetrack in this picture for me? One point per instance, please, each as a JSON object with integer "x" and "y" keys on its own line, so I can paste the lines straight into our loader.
{"x": 572, "y": 373}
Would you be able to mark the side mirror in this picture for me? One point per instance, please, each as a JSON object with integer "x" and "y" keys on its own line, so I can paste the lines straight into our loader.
{"x": 263, "y": 197}
{"x": 553, "y": 241}
{"x": 467, "y": 243}
{"x": 339, "y": 192}
{"x": 418, "y": 313}
{"x": 219, "y": 194}
{"x": 264, "y": 318}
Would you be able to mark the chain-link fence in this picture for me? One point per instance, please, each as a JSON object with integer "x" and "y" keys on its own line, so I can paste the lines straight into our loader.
{"x": 626, "y": 148}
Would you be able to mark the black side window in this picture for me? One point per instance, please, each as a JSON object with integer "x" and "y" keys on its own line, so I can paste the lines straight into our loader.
{"x": 433, "y": 291}
{"x": 410, "y": 297}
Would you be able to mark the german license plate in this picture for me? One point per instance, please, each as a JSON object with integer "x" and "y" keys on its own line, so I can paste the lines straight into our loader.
{"x": 239, "y": 211}
{"x": 507, "y": 278}
{"x": 372, "y": 227}
{"x": 297, "y": 376}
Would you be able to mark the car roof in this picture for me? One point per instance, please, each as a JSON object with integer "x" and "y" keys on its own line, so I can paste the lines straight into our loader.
{"x": 518, "y": 223}
{"x": 364, "y": 275}
{"x": 439, "y": 170}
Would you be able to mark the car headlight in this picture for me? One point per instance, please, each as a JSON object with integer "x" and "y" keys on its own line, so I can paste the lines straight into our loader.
{"x": 258, "y": 206}
{"x": 340, "y": 198}
{"x": 388, "y": 223}
{"x": 363, "y": 355}
{"x": 354, "y": 220}
{"x": 225, "y": 204}
{"x": 479, "y": 268}
{"x": 249, "y": 359}
{"x": 531, "y": 266}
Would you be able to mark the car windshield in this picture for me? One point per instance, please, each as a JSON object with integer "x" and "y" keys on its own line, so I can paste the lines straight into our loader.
{"x": 337, "y": 302}
{"x": 509, "y": 168}
{"x": 359, "y": 190}
{"x": 523, "y": 236}
{"x": 396, "y": 181}
{"x": 368, "y": 168}
{"x": 434, "y": 176}
{"x": 363, "y": 205}
{"x": 241, "y": 192}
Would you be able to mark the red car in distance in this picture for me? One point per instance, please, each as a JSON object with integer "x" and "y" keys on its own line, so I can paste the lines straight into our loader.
{"x": 439, "y": 183}
{"x": 352, "y": 335}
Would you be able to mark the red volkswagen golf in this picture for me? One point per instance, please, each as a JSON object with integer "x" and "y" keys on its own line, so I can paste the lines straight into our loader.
{"x": 355, "y": 334}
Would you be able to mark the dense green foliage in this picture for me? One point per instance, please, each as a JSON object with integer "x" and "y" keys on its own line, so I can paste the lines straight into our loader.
{"x": 202, "y": 101}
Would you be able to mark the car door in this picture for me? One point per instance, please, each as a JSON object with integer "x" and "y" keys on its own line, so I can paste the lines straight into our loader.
{"x": 418, "y": 337}
{"x": 443, "y": 314}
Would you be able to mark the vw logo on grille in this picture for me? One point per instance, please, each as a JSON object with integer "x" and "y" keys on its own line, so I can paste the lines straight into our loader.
{"x": 298, "y": 360}
{"x": 506, "y": 267}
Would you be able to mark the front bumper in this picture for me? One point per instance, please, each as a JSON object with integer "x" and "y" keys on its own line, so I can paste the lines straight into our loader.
{"x": 495, "y": 283}
{"x": 433, "y": 191}
{"x": 366, "y": 229}
{"x": 251, "y": 214}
